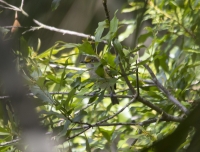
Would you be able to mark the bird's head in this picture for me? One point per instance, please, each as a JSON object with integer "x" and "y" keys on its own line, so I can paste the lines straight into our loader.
{"x": 90, "y": 59}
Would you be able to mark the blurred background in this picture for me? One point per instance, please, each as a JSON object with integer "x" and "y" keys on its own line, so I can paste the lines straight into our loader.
{"x": 76, "y": 15}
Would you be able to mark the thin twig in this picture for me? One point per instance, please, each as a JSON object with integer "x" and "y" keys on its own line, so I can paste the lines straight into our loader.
{"x": 106, "y": 10}
{"x": 165, "y": 91}
{"x": 171, "y": 18}
{"x": 10, "y": 27}
{"x": 63, "y": 31}
{"x": 126, "y": 78}
{"x": 159, "y": 110}
{"x": 77, "y": 134}
{"x": 66, "y": 93}
{"x": 9, "y": 142}
{"x": 144, "y": 123}
{"x": 68, "y": 67}
{"x": 86, "y": 127}
{"x": 110, "y": 117}
{"x": 12, "y": 7}
{"x": 22, "y": 4}
{"x": 2, "y": 6}
{"x": 137, "y": 79}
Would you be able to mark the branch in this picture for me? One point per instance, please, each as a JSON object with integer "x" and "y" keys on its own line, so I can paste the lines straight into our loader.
{"x": 86, "y": 127}
{"x": 77, "y": 134}
{"x": 160, "y": 111}
{"x": 22, "y": 4}
{"x": 110, "y": 117}
{"x": 9, "y": 142}
{"x": 106, "y": 10}
{"x": 126, "y": 79}
{"x": 10, "y": 27}
{"x": 86, "y": 95}
{"x": 146, "y": 122}
{"x": 98, "y": 124}
{"x": 68, "y": 67}
{"x": 12, "y": 7}
{"x": 120, "y": 65}
{"x": 165, "y": 91}
{"x": 172, "y": 18}
{"x": 63, "y": 31}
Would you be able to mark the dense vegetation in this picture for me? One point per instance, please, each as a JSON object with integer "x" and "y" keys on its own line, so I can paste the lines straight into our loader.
{"x": 157, "y": 80}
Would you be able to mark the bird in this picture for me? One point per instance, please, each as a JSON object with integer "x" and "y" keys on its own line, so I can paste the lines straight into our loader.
{"x": 99, "y": 73}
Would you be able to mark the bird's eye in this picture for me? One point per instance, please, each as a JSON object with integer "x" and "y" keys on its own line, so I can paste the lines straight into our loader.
{"x": 92, "y": 60}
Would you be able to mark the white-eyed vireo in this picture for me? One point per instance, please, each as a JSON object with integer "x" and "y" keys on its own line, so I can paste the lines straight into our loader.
{"x": 99, "y": 74}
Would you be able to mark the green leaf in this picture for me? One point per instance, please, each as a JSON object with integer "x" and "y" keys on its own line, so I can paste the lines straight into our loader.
{"x": 118, "y": 47}
{"x": 53, "y": 50}
{"x": 65, "y": 129}
{"x": 55, "y": 4}
{"x": 129, "y": 30}
{"x": 100, "y": 99}
{"x": 70, "y": 96}
{"x": 70, "y": 45}
{"x": 190, "y": 50}
{"x": 79, "y": 116}
{"x": 142, "y": 38}
{"x": 69, "y": 75}
{"x": 99, "y": 30}
{"x": 24, "y": 48}
{"x": 100, "y": 71}
{"x": 113, "y": 29}
{"x": 13, "y": 124}
{"x": 110, "y": 59}
{"x": 76, "y": 82}
{"x": 42, "y": 94}
{"x": 163, "y": 63}
{"x": 6, "y": 149}
{"x": 38, "y": 45}
{"x": 53, "y": 78}
{"x": 134, "y": 6}
{"x": 114, "y": 25}
{"x": 36, "y": 74}
{"x": 88, "y": 149}
{"x": 40, "y": 81}
{"x": 144, "y": 62}
{"x": 4, "y": 131}
{"x": 92, "y": 99}
{"x": 174, "y": 3}
{"x": 107, "y": 132}
{"x": 86, "y": 48}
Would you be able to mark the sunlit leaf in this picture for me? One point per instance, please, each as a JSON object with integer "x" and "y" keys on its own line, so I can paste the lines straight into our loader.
{"x": 86, "y": 48}
{"x": 99, "y": 30}
{"x": 107, "y": 132}
{"x": 114, "y": 24}
{"x": 42, "y": 94}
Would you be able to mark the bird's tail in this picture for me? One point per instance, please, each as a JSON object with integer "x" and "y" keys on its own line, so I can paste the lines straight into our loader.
{"x": 113, "y": 98}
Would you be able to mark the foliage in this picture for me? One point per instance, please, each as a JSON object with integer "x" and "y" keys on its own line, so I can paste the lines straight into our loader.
{"x": 81, "y": 120}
